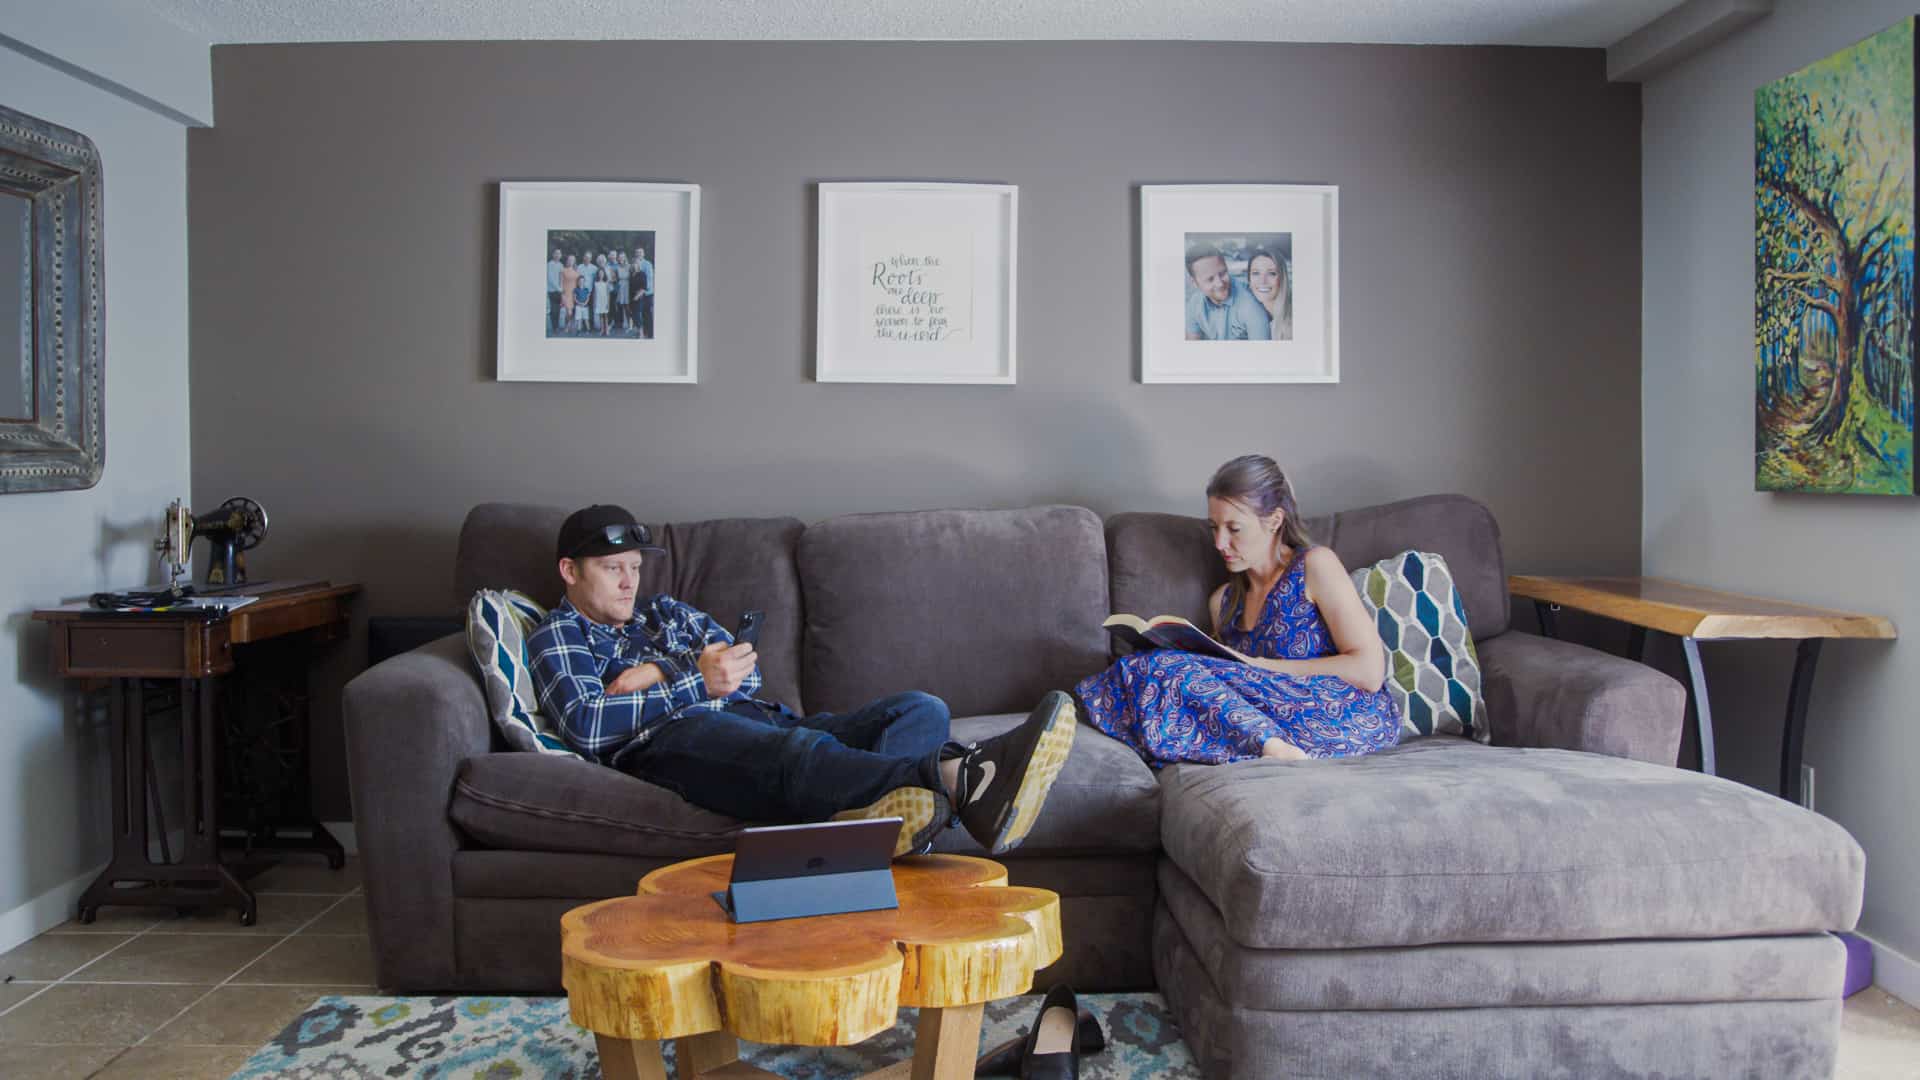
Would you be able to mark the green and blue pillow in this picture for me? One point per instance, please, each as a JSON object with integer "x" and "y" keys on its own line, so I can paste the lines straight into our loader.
{"x": 1433, "y": 673}
{"x": 498, "y": 625}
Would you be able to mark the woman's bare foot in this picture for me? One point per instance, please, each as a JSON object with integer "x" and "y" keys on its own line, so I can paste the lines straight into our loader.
{"x": 1281, "y": 750}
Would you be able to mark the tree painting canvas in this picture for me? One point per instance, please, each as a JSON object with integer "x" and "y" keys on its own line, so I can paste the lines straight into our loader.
{"x": 1833, "y": 272}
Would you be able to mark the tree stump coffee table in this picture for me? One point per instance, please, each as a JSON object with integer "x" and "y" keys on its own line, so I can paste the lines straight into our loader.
{"x": 668, "y": 963}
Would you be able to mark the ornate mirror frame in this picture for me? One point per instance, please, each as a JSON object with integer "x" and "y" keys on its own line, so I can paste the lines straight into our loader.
{"x": 61, "y": 444}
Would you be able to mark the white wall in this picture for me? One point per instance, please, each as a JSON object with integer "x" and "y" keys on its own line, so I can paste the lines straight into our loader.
{"x": 117, "y": 46}
{"x": 54, "y": 810}
{"x": 1703, "y": 521}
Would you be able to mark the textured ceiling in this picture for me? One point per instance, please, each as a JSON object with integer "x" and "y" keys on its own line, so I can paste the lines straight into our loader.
{"x": 1587, "y": 23}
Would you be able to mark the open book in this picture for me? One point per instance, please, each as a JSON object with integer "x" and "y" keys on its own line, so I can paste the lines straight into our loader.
{"x": 1167, "y": 632}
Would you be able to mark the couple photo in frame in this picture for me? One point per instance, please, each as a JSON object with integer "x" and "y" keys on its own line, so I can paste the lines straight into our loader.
{"x": 1239, "y": 283}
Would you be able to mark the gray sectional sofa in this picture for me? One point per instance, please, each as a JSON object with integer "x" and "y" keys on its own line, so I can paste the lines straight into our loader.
{"x": 1561, "y": 903}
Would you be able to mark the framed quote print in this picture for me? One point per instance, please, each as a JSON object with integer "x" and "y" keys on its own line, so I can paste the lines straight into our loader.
{"x": 916, "y": 283}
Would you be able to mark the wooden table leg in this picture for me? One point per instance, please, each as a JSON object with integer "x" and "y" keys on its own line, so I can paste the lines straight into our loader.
{"x": 630, "y": 1059}
{"x": 947, "y": 1042}
{"x": 697, "y": 1054}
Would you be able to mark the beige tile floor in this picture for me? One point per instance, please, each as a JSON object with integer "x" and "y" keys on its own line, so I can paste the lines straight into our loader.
{"x": 144, "y": 993}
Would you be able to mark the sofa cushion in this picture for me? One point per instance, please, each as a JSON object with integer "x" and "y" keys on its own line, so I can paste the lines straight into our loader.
{"x": 1433, "y": 674}
{"x": 1502, "y": 974}
{"x": 722, "y": 567}
{"x": 542, "y": 802}
{"x": 987, "y": 609}
{"x": 1164, "y": 564}
{"x": 498, "y": 623}
{"x": 1105, "y": 800}
{"x": 1445, "y": 840}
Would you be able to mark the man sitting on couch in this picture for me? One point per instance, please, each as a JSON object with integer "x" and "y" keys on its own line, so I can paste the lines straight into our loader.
{"x": 659, "y": 690}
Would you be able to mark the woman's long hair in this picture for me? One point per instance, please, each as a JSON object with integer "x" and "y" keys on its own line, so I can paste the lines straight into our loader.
{"x": 1256, "y": 482}
{"x": 1281, "y": 310}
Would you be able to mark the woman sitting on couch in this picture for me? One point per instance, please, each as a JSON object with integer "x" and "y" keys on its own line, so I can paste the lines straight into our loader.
{"x": 1311, "y": 685}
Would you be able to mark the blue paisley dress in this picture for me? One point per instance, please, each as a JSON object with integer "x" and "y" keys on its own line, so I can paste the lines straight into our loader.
{"x": 1177, "y": 706}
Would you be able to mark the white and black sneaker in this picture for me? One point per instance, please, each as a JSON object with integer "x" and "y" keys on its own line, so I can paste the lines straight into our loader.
{"x": 922, "y": 813}
{"x": 1004, "y": 781}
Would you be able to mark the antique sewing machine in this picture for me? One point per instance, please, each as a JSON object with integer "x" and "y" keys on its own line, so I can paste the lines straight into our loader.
{"x": 237, "y": 526}
{"x": 230, "y": 674}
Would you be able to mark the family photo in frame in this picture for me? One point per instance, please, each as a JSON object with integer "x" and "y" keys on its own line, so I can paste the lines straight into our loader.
{"x": 599, "y": 282}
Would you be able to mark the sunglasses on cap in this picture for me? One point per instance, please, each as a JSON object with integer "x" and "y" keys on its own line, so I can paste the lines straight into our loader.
{"x": 615, "y": 536}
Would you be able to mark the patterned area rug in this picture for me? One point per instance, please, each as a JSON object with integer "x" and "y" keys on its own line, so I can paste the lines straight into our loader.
{"x": 521, "y": 1038}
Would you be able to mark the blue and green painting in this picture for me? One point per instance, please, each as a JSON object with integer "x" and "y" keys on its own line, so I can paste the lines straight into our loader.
{"x": 1833, "y": 272}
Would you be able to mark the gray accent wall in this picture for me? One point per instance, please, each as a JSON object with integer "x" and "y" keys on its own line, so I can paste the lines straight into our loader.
{"x": 1703, "y": 520}
{"x": 344, "y": 222}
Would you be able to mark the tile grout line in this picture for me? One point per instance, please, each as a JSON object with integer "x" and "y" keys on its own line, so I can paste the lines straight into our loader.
{"x": 70, "y": 978}
{"x": 56, "y": 982}
{"x": 243, "y": 967}
{"x": 43, "y": 989}
{"x": 62, "y": 980}
{"x": 141, "y": 933}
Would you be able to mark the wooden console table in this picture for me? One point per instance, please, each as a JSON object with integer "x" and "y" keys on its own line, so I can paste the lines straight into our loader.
{"x": 120, "y": 650}
{"x": 1693, "y": 615}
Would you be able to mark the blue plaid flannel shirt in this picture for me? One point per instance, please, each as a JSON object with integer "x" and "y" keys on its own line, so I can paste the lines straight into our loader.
{"x": 573, "y": 658}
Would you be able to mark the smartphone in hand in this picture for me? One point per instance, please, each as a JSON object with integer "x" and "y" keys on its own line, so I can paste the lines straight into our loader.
{"x": 749, "y": 631}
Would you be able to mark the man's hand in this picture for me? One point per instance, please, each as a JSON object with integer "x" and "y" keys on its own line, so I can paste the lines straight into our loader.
{"x": 725, "y": 667}
{"x": 635, "y": 679}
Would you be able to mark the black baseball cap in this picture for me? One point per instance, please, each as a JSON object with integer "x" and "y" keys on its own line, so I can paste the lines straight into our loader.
{"x": 603, "y": 530}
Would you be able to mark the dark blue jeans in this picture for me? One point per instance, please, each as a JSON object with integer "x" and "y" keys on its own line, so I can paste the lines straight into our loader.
{"x": 758, "y": 764}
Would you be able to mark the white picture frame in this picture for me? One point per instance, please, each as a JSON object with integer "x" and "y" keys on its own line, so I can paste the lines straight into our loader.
{"x": 1299, "y": 224}
{"x": 652, "y": 340}
{"x": 916, "y": 283}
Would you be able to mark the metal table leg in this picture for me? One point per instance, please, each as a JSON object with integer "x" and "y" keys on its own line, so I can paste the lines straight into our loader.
{"x": 1549, "y": 624}
{"x": 1793, "y": 738}
{"x": 132, "y": 877}
{"x": 1702, "y": 712}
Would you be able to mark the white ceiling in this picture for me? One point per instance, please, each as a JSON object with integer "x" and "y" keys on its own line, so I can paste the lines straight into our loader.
{"x": 1586, "y": 23}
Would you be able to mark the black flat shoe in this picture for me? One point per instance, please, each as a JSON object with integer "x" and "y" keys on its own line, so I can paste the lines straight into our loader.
{"x": 1004, "y": 1060}
{"x": 1053, "y": 1046}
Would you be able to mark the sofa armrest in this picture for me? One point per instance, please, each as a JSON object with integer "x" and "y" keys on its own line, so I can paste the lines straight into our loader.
{"x": 411, "y": 720}
{"x": 1546, "y": 692}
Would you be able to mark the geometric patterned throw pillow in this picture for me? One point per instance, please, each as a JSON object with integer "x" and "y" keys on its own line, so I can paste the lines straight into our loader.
{"x": 1433, "y": 672}
{"x": 498, "y": 623}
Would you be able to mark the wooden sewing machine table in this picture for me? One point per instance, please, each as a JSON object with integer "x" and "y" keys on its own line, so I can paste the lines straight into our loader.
{"x": 120, "y": 652}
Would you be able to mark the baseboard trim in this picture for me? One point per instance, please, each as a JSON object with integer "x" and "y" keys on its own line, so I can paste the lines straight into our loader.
{"x": 44, "y": 912}
{"x": 1895, "y": 972}
{"x": 58, "y": 904}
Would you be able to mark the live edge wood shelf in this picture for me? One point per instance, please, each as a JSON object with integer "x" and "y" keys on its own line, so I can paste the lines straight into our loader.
{"x": 1694, "y": 614}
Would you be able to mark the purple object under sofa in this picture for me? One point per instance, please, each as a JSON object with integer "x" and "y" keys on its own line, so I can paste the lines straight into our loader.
{"x": 1563, "y": 902}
